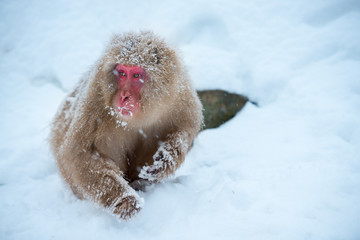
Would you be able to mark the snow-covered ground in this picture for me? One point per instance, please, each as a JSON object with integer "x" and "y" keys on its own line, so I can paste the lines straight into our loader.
{"x": 288, "y": 169}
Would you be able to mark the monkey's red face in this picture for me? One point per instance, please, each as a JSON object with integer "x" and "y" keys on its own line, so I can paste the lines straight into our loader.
{"x": 130, "y": 81}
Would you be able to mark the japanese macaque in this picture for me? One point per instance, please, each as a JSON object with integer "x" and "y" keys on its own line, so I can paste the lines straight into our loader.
{"x": 131, "y": 119}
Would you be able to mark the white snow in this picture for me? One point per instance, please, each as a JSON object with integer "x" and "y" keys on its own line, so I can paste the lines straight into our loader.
{"x": 288, "y": 169}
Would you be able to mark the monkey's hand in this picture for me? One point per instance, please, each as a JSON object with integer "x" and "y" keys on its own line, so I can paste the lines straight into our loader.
{"x": 167, "y": 158}
{"x": 126, "y": 207}
{"x": 106, "y": 185}
{"x": 119, "y": 197}
{"x": 163, "y": 161}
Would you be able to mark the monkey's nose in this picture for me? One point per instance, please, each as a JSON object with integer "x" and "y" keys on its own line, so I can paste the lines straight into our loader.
{"x": 125, "y": 99}
{"x": 125, "y": 96}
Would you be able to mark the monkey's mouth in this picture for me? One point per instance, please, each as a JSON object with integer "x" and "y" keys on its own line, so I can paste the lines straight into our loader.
{"x": 126, "y": 107}
{"x": 125, "y": 112}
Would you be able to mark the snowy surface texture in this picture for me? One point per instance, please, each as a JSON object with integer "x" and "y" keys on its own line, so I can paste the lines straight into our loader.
{"x": 288, "y": 169}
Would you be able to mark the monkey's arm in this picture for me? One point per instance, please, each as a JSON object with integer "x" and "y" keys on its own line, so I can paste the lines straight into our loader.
{"x": 99, "y": 179}
{"x": 169, "y": 156}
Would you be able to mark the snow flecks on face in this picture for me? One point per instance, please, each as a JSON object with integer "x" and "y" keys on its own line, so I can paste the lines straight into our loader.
{"x": 112, "y": 111}
{"x": 126, "y": 109}
{"x": 120, "y": 123}
{"x": 116, "y": 73}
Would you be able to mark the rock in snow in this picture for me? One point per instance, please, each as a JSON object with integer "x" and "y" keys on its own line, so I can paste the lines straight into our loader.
{"x": 220, "y": 106}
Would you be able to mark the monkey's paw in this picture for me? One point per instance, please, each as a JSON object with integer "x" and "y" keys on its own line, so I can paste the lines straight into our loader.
{"x": 163, "y": 162}
{"x": 152, "y": 172}
{"x": 127, "y": 207}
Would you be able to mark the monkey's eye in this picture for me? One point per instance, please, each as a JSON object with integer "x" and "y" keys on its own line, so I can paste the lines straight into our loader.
{"x": 136, "y": 75}
{"x": 122, "y": 73}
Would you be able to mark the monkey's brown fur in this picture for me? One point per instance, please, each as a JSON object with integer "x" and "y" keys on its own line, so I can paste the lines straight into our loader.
{"x": 98, "y": 152}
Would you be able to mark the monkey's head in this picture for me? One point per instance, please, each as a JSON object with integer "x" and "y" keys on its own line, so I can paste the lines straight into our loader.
{"x": 139, "y": 72}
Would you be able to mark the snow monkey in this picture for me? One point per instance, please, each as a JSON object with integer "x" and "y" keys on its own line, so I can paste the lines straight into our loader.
{"x": 131, "y": 118}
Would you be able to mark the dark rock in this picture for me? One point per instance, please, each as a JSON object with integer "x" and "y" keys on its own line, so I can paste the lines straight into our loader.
{"x": 220, "y": 106}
